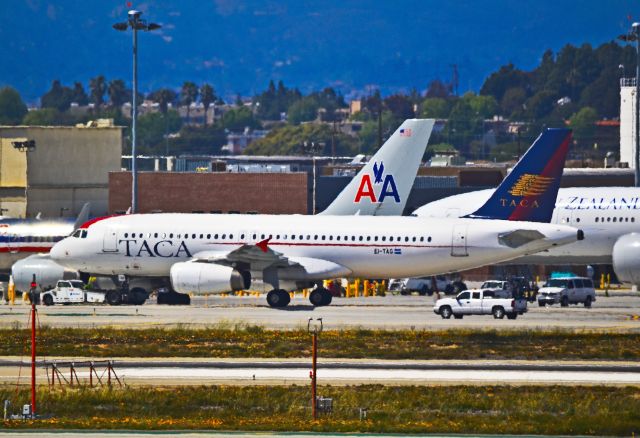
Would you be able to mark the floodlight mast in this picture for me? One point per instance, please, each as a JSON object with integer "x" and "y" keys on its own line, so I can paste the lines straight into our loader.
{"x": 135, "y": 23}
{"x": 634, "y": 36}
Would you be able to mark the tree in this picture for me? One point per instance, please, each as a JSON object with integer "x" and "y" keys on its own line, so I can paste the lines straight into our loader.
{"x": 435, "y": 108}
{"x": 273, "y": 102}
{"x": 400, "y": 106}
{"x": 98, "y": 88}
{"x": 304, "y": 110}
{"x": 583, "y": 125}
{"x": 153, "y": 129}
{"x": 118, "y": 93}
{"x": 238, "y": 119}
{"x": 79, "y": 96}
{"x": 207, "y": 97}
{"x": 45, "y": 117}
{"x": 163, "y": 97}
{"x": 188, "y": 95}
{"x": 512, "y": 101}
{"x": 199, "y": 140}
{"x": 290, "y": 140}
{"x": 437, "y": 88}
{"x": 12, "y": 108}
{"x": 58, "y": 97}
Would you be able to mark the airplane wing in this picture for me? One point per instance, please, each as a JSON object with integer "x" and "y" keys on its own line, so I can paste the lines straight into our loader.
{"x": 260, "y": 257}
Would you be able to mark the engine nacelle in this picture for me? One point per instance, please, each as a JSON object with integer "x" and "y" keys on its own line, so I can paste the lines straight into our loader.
{"x": 207, "y": 278}
{"x": 626, "y": 258}
{"x": 47, "y": 272}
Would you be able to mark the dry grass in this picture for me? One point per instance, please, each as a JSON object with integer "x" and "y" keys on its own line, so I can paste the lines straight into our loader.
{"x": 256, "y": 342}
{"x": 453, "y": 409}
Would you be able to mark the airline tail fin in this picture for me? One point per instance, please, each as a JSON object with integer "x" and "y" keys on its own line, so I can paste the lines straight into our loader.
{"x": 382, "y": 186}
{"x": 83, "y": 216}
{"x": 529, "y": 192}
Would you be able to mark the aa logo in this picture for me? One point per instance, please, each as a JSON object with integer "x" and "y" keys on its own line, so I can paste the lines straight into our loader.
{"x": 386, "y": 183}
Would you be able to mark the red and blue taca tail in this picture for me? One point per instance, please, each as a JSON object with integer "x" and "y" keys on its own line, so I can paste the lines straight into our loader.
{"x": 529, "y": 192}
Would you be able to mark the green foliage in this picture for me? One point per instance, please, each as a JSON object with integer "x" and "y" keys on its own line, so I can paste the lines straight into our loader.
{"x": 583, "y": 124}
{"x": 12, "y": 108}
{"x": 289, "y": 140}
{"x": 97, "y": 87}
{"x": 163, "y": 97}
{"x": 435, "y": 108}
{"x": 58, "y": 97}
{"x": 50, "y": 117}
{"x": 78, "y": 94}
{"x": 303, "y": 110}
{"x": 369, "y": 132}
{"x": 207, "y": 97}
{"x": 206, "y": 140}
{"x": 117, "y": 93}
{"x": 152, "y": 129}
{"x": 275, "y": 101}
{"x": 238, "y": 119}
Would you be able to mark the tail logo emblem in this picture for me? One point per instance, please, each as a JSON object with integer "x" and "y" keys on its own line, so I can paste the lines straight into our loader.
{"x": 366, "y": 190}
{"x": 530, "y": 185}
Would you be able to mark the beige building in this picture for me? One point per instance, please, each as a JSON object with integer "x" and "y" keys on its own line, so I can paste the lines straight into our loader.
{"x": 67, "y": 167}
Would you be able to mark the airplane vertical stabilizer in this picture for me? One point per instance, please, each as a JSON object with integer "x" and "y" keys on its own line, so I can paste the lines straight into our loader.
{"x": 529, "y": 192}
{"x": 382, "y": 186}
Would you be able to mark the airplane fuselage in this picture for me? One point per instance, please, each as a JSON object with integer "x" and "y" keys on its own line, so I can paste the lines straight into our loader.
{"x": 373, "y": 247}
{"x": 604, "y": 213}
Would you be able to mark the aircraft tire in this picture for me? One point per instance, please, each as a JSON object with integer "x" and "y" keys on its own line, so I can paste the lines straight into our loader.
{"x": 317, "y": 298}
{"x": 326, "y": 298}
{"x": 278, "y": 298}
{"x": 113, "y": 298}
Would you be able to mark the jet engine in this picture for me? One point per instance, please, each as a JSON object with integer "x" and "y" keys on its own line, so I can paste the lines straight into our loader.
{"x": 47, "y": 272}
{"x": 626, "y": 258}
{"x": 203, "y": 278}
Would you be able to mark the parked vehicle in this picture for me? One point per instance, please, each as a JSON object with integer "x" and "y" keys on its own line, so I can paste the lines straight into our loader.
{"x": 567, "y": 290}
{"x": 480, "y": 302}
{"x": 70, "y": 292}
{"x": 500, "y": 288}
{"x": 422, "y": 285}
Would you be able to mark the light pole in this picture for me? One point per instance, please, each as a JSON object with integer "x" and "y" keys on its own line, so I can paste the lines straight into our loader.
{"x": 314, "y": 327}
{"x": 634, "y": 35}
{"x": 135, "y": 23}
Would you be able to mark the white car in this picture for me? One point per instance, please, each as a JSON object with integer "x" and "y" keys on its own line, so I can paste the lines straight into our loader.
{"x": 500, "y": 288}
{"x": 567, "y": 290}
{"x": 479, "y": 302}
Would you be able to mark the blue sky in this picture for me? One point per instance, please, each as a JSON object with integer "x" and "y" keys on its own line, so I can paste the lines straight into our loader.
{"x": 238, "y": 45}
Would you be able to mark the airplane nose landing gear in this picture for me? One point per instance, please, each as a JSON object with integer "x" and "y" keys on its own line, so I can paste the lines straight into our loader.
{"x": 278, "y": 298}
{"x": 320, "y": 297}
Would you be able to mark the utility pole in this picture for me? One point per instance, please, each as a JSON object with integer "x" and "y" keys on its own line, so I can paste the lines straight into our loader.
{"x": 33, "y": 345}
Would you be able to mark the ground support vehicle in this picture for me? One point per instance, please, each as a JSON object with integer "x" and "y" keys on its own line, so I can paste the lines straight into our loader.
{"x": 70, "y": 292}
{"x": 567, "y": 290}
{"x": 480, "y": 302}
{"x": 422, "y": 285}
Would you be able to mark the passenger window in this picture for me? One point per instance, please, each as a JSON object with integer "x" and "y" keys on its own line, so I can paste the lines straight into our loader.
{"x": 208, "y": 236}
{"x": 337, "y": 237}
{"x": 230, "y": 236}
{"x": 330, "y": 237}
{"x": 384, "y": 238}
{"x": 476, "y": 295}
{"x": 464, "y": 296}
{"x": 588, "y": 283}
{"x": 488, "y": 294}
{"x": 368, "y": 238}
{"x": 293, "y": 237}
{"x": 578, "y": 283}
{"x": 360, "y": 238}
{"x": 155, "y": 235}
{"x": 126, "y": 235}
{"x": 171, "y": 236}
{"x": 323, "y": 237}
{"x": 224, "y": 236}
{"x": 375, "y": 238}
{"x": 570, "y": 284}
{"x": 391, "y": 239}
{"x": 429, "y": 239}
{"x": 406, "y": 238}
{"x": 596, "y": 219}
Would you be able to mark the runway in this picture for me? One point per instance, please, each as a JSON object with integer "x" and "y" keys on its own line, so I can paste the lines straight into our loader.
{"x": 620, "y": 312}
{"x": 170, "y": 371}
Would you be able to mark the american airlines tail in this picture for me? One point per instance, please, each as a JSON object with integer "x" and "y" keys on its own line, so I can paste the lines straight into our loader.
{"x": 382, "y": 187}
{"x": 529, "y": 192}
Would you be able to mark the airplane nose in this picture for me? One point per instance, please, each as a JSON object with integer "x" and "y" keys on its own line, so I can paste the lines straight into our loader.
{"x": 58, "y": 251}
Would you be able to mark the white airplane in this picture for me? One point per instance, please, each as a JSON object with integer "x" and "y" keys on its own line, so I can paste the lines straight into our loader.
{"x": 609, "y": 215}
{"x": 381, "y": 188}
{"x": 207, "y": 253}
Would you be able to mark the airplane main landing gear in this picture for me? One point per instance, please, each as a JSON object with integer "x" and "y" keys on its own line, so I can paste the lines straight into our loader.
{"x": 278, "y": 298}
{"x": 320, "y": 297}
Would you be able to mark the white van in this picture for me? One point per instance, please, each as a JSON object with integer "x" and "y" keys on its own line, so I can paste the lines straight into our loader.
{"x": 567, "y": 290}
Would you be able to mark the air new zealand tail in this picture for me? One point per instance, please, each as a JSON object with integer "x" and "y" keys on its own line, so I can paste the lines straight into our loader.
{"x": 529, "y": 192}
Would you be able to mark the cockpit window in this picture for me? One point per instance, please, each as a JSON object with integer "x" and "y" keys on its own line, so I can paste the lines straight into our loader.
{"x": 84, "y": 234}
{"x": 76, "y": 233}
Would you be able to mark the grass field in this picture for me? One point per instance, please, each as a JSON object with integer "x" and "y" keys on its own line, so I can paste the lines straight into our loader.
{"x": 239, "y": 342}
{"x": 453, "y": 409}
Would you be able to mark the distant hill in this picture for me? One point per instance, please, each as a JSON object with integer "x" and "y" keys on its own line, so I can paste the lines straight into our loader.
{"x": 238, "y": 45}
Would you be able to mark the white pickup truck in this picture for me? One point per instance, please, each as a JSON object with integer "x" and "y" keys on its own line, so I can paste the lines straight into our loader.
{"x": 70, "y": 292}
{"x": 480, "y": 302}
